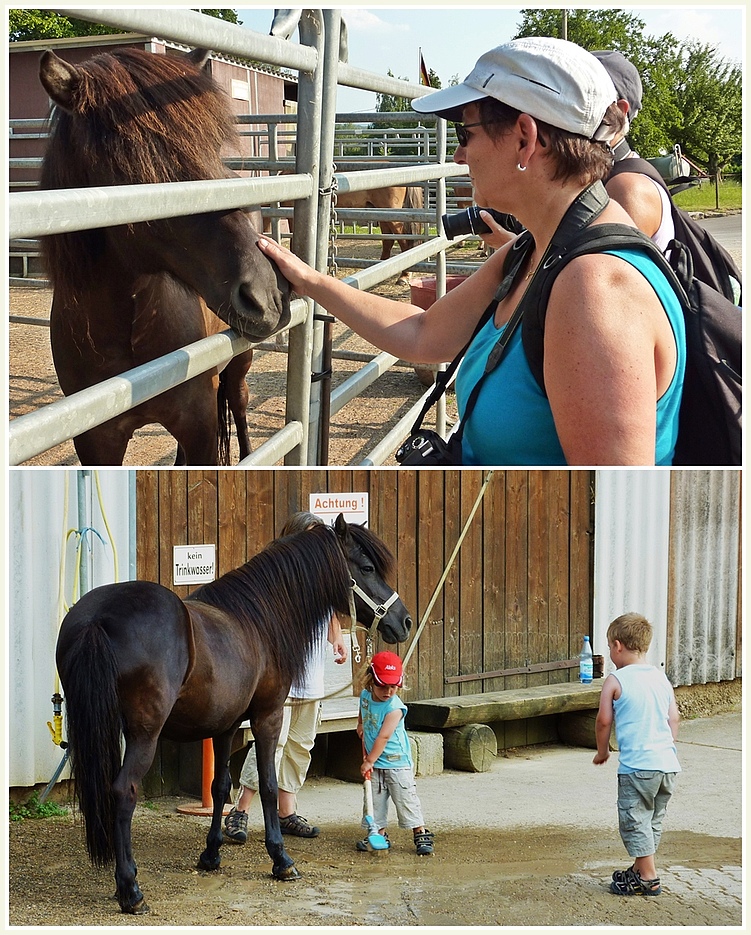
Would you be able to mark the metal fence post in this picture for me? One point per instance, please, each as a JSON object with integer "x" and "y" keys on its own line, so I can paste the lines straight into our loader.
{"x": 299, "y": 359}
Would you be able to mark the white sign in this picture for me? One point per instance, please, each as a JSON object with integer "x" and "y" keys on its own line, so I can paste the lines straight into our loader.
{"x": 193, "y": 564}
{"x": 328, "y": 506}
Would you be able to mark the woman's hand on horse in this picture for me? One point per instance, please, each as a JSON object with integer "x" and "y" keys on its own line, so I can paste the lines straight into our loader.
{"x": 300, "y": 276}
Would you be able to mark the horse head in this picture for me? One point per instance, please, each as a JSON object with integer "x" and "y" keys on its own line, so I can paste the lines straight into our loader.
{"x": 129, "y": 117}
{"x": 370, "y": 565}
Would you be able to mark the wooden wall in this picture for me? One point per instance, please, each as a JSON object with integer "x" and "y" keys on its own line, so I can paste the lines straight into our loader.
{"x": 519, "y": 593}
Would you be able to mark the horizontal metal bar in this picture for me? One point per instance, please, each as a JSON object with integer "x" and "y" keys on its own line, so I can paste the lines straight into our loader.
{"x": 38, "y": 213}
{"x": 38, "y": 431}
{"x": 279, "y": 445}
{"x": 360, "y": 381}
{"x": 198, "y": 30}
{"x": 401, "y": 175}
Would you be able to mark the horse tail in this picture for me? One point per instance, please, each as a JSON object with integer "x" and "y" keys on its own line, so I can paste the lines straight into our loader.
{"x": 223, "y": 417}
{"x": 413, "y": 198}
{"x": 94, "y": 723}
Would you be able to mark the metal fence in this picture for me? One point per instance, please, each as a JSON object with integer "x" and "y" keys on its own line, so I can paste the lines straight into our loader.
{"x": 33, "y": 214}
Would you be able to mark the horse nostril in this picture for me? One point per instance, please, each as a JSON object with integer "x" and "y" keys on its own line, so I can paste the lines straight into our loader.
{"x": 408, "y": 623}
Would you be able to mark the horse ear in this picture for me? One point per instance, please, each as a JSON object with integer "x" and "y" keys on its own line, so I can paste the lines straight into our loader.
{"x": 60, "y": 79}
{"x": 199, "y": 57}
{"x": 340, "y": 526}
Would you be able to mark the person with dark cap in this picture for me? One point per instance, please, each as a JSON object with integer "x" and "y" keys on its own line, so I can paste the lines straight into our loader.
{"x": 639, "y": 188}
{"x": 534, "y": 120}
{"x": 386, "y": 752}
{"x": 645, "y": 200}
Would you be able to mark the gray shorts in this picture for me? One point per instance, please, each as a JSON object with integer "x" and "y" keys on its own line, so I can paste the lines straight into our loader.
{"x": 643, "y": 797}
{"x": 399, "y": 786}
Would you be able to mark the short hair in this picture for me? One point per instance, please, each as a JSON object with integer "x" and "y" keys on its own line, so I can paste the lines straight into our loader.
{"x": 633, "y": 630}
{"x": 575, "y": 157}
{"x": 299, "y": 522}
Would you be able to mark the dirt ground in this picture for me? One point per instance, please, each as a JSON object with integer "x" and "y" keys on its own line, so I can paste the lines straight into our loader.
{"x": 355, "y": 430}
{"x": 532, "y": 842}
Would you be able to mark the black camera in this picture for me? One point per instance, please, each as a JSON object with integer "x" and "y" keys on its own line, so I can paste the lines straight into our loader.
{"x": 470, "y": 222}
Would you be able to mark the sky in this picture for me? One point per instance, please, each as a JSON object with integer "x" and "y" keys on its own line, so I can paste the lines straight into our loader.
{"x": 383, "y": 38}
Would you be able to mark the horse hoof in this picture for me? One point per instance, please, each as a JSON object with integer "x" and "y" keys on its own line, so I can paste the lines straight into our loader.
{"x": 287, "y": 874}
{"x": 139, "y": 909}
{"x": 209, "y": 863}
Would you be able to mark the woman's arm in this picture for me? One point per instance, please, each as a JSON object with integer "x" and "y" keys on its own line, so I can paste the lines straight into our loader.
{"x": 609, "y": 355}
{"x": 409, "y": 332}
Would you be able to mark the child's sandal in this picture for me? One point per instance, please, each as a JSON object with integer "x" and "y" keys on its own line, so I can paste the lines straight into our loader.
{"x": 629, "y": 883}
{"x": 423, "y": 843}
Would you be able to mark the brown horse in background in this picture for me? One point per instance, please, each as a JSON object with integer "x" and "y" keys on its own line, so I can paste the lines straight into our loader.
{"x": 127, "y": 294}
{"x": 392, "y": 197}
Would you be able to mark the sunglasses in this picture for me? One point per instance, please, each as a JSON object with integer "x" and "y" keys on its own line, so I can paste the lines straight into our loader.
{"x": 461, "y": 130}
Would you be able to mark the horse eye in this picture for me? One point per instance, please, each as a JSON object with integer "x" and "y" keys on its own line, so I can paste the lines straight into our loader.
{"x": 367, "y": 569}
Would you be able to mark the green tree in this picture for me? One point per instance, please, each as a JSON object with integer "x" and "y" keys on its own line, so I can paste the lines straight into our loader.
{"x": 691, "y": 96}
{"x": 709, "y": 97}
{"x": 46, "y": 24}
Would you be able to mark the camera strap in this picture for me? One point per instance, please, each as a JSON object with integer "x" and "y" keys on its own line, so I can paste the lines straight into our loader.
{"x": 444, "y": 377}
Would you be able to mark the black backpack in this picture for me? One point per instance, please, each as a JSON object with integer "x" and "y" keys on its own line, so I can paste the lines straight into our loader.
{"x": 712, "y": 264}
{"x": 710, "y": 415}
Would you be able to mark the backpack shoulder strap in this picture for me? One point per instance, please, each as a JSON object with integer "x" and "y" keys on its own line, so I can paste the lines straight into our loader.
{"x": 596, "y": 239}
{"x": 640, "y": 166}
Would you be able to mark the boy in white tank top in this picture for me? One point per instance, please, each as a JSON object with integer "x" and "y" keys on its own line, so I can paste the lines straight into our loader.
{"x": 640, "y": 699}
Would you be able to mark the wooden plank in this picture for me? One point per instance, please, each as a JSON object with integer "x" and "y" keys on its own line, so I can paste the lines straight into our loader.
{"x": 429, "y": 653}
{"x": 260, "y": 527}
{"x": 407, "y": 563}
{"x": 517, "y": 608}
{"x": 538, "y": 646}
{"x": 147, "y": 527}
{"x": 581, "y": 550}
{"x": 172, "y": 525}
{"x": 513, "y": 704}
{"x": 381, "y": 488}
{"x": 231, "y": 541}
{"x": 470, "y": 570}
{"x": 494, "y": 578}
{"x": 452, "y": 528}
{"x": 559, "y": 512}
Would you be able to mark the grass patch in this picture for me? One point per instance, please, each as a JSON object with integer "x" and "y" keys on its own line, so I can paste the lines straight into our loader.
{"x": 33, "y": 808}
{"x": 705, "y": 198}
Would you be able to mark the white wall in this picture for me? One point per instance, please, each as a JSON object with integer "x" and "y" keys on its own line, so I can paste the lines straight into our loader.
{"x": 632, "y": 540}
{"x": 44, "y": 506}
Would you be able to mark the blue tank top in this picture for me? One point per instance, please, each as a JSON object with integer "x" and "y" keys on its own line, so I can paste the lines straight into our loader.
{"x": 512, "y": 422}
{"x": 397, "y": 753}
{"x": 642, "y": 731}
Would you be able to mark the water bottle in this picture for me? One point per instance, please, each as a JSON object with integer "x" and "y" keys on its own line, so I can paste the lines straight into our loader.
{"x": 585, "y": 662}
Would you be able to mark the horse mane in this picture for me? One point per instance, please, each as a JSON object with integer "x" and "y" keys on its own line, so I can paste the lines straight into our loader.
{"x": 374, "y": 548}
{"x": 284, "y": 593}
{"x": 136, "y": 117}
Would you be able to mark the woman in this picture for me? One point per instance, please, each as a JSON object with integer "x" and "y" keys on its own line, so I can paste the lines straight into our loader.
{"x": 536, "y": 116}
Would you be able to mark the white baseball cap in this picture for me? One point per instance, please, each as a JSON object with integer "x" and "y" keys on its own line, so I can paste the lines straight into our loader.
{"x": 553, "y": 80}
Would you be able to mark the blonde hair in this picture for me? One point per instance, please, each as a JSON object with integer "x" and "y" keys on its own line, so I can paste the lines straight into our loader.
{"x": 633, "y": 630}
{"x": 299, "y": 522}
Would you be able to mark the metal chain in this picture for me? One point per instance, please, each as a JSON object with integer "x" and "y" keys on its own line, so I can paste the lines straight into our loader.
{"x": 333, "y": 247}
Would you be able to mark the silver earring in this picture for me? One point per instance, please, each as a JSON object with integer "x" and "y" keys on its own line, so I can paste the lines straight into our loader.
{"x": 520, "y": 167}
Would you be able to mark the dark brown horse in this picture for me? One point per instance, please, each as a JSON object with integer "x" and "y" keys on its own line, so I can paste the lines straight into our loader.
{"x": 126, "y": 294}
{"x": 136, "y": 661}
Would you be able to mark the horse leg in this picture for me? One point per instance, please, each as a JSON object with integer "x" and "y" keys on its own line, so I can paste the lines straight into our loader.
{"x": 139, "y": 755}
{"x": 105, "y": 444}
{"x": 387, "y": 245}
{"x": 236, "y": 390}
{"x": 266, "y": 737}
{"x": 220, "y": 785}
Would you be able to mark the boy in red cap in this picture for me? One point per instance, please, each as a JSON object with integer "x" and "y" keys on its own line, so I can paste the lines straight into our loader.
{"x": 388, "y": 756}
